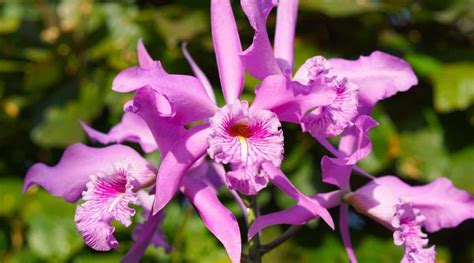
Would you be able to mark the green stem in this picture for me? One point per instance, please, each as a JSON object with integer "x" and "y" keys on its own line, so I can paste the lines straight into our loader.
{"x": 254, "y": 245}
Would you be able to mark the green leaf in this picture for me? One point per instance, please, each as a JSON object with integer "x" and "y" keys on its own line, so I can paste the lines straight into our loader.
{"x": 338, "y": 8}
{"x": 385, "y": 143}
{"x": 422, "y": 153}
{"x": 51, "y": 231}
{"x": 423, "y": 64}
{"x": 454, "y": 87}
{"x": 11, "y": 196}
{"x": 61, "y": 124}
{"x": 461, "y": 169}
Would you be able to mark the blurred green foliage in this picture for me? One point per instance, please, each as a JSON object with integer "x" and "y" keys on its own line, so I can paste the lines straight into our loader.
{"x": 58, "y": 59}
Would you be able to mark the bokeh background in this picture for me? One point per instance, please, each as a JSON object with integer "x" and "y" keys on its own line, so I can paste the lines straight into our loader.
{"x": 58, "y": 58}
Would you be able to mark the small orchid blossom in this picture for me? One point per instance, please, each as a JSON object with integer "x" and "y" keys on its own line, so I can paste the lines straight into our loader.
{"x": 406, "y": 209}
{"x": 106, "y": 179}
{"x": 357, "y": 85}
{"x": 109, "y": 179}
{"x": 247, "y": 138}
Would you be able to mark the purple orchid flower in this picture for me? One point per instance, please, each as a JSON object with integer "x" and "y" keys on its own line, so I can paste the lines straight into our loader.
{"x": 247, "y": 138}
{"x": 357, "y": 85}
{"x": 406, "y": 209}
{"x": 106, "y": 179}
{"x": 109, "y": 179}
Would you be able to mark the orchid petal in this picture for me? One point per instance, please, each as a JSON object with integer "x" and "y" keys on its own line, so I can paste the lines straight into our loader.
{"x": 217, "y": 218}
{"x": 355, "y": 142}
{"x": 378, "y": 76}
{"x": 186, "y": 93}
{"x": 285, "y": 33}
{"x": 442, "y": 204}
{"x": 69, "y": 177}
{"x": 131, "y": 128}
{"x": 199, "y": 73}
{"x": 138, "y": 249}
{"x": 281, "y": 181}
{"x": 335, "y": 172}
{"x": 276, "y": 94}
{"x": 148, "y": 104}
{"x": 345, "y": 234}
{"x": 185, "y": 152}
{"x": 227, "y": 48}
{"x": 258, "y": 59}
{"x": 298, "y": 214}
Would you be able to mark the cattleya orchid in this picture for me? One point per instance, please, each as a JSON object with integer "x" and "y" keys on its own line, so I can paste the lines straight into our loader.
{"x": 178, "y": 116}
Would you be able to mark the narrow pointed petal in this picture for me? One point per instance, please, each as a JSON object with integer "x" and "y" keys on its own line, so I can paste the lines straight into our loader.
{"x": 144, "y": 59}
{"x": 345, "y": 234}
{"x": 335, "y": 172}
{"x": 285, "y": 33}
{"x": 138, "y": 249}
{"x": 378, "y": 76}
{"x": 258, "y": 59}
{"x": 217, "y": 218}
{"x": 198, "y": 73}
{"x": 131, "y": 128}
{"x": 442, "y": 204}
{"x": 276, "y": 94}
{"x": 298, "y": 214}
{"x": 227, "y": 48}
{"x": 355, "y": 142}
{"x": 69, "y": 177}
{"x": 186, "y": 93}
{"x": 155, "y": 110}
{"x": 177, "y": 162}
{"x": 281, "y": 181}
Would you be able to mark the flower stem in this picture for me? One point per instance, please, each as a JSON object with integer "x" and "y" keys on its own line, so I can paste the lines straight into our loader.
{"x": 290, "y": 232}
{"x": 254, "y": 245}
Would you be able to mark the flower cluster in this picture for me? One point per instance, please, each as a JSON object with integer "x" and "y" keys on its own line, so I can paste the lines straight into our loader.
{"x": 240, "y": 147}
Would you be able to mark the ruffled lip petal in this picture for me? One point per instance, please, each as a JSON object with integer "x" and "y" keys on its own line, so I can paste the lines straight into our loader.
{"x": 69, "y": 177}
{"x": 131, "y": 128}
{"x": 378, "y": 76}
{"x": 245, "y": 137}
{"x": 247, "y": 180}
{"x": 107, "y": 198}
{"x": 442, "y": 204}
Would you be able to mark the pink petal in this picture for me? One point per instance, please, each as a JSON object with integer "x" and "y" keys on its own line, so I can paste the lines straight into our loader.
{"x": 69, "y": 177}
{"x": 345, "y": 234}
{"x": 285, "y": 33}
{"x": 189, "y": 98}
{"x": 217, "y": 218}
{"x": 442, "y": 204}
{"x": 378, "y": 76}
{"x": 131, "y": 128}
{"x": 139, "y": 247}
{"x": 227, "y": 48}
{"x": 147, "y": 104}
{"x": 175, "y": 164}
{"x": 281, "y": 181}
{"x": 298, "y": 214}
{"x": 277, "y": 94}
{"x": 199, "y": 73}
{"x": 258, "y": 59}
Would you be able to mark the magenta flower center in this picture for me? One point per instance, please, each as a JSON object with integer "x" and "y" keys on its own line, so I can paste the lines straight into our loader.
{"x": 241, "y": 128}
